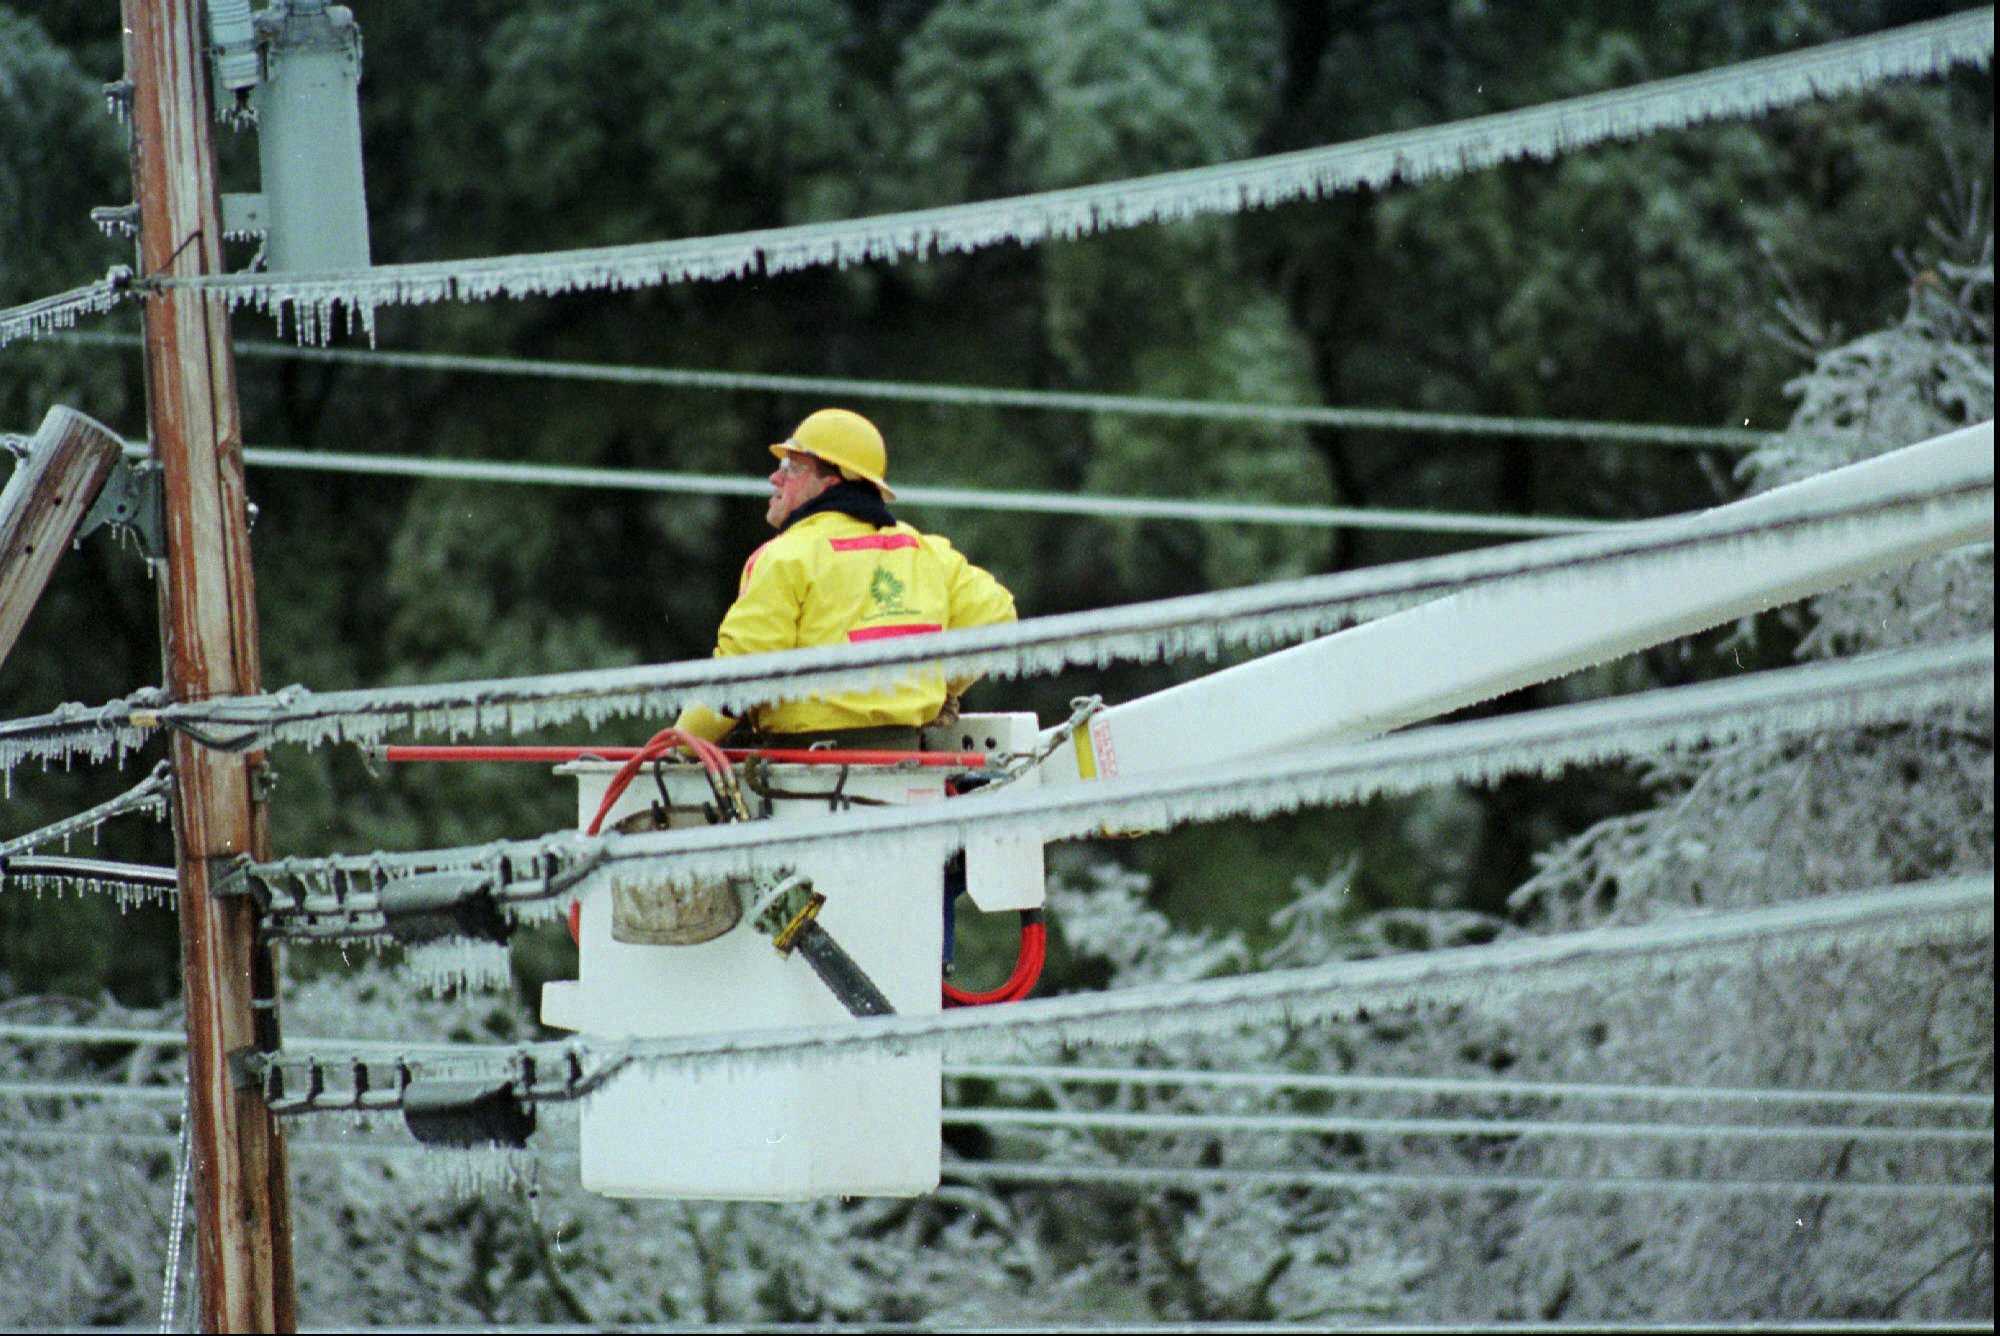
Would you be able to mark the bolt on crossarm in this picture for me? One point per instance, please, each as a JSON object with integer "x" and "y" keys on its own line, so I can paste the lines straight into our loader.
{"x": 208, "y": 628}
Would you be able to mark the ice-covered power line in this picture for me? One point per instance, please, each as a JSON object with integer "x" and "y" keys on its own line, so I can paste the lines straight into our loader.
{"x": 1104, "y": 1120}
{"x": 1570, "y": 430}
{"x": 1481, "y": 1087}
{"x": 96, "y": 1091}
{"x": 1359, "y": 1180}
{"x": 1499, "y": 974}
{"x": 345, "y": 896}
{"x": 149, "y": 794}
{"x": 1258, "y": 617}
{"x": 348, "y": 895}
{"x": 1542, "y": 132}
{"x": 944, "y": 498}
{"x": 39, "y": 1033}
{"x": 1495, "y": 1087}
{"x": 1134, "y": 1175}
{"x": 1326, "y": 1124}
{"x": 64, "y": 309}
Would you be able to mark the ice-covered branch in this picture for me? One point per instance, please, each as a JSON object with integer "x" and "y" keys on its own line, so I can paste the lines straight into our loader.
{"x": 1539, "y": 133}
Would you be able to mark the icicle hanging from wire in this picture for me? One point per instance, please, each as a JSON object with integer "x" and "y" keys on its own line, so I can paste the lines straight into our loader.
{"x": 1571, "y": 430}
{"x": 1258, "y": 617}
{"x": 1867, "y": 691}
{"x": 1498, "y": 975}
{"x": 64, "y": 309}
{"x": 149, "y": 795}
{"x": 1538, "y": 133}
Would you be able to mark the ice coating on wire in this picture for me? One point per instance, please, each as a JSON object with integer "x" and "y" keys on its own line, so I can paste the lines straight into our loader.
{"x": 1196, "y": 1178}
{"x": 1495, "y": 975}
{"x": 150, "y": 794}
{"x": 976, "y": 396}
{"x": 1866, "y": 690}
{"x": 1536, "y": 133}
{"x": 64, "y": 309}
{"x": 1257, "y": 618}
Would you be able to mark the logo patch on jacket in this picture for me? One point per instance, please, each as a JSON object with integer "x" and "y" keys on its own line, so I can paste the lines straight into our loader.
{"x": 885, "y": 591}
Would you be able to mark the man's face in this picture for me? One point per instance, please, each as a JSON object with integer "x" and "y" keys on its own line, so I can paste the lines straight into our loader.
{"x": 793, "y": 483}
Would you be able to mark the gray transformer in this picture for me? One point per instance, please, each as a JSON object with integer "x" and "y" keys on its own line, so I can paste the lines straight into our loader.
{"x": 315, "y": 211}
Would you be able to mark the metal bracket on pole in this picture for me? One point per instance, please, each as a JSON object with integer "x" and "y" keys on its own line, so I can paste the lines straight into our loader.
{"x": 118, "y": 100}
{"x": 229, "y": 878}
{"x": 244, "y": 217}
{"x": 132, "y": 499}
{"x": 117, "y": 220}
{"x": 245, "y": 1073}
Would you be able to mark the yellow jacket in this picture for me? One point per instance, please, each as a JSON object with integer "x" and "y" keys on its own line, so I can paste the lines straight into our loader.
{"x": 830, "y": 579}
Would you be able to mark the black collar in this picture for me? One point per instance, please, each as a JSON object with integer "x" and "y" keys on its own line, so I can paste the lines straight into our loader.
{"x": 858, "y": 499}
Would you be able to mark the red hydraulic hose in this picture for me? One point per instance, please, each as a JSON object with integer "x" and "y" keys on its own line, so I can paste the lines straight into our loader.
{"x": 404, "y": 752}
{"x": 1027, "y": 968}
{"x": 662, "y": 742}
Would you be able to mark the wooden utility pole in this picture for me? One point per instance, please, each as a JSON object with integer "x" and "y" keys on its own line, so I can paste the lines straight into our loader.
{"x": 208, "y": 624}
{"x": 45, "y": 500}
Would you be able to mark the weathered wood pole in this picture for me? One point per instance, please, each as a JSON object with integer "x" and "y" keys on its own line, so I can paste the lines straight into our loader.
{"x": 45, "y": 500}
{"x": 208, "y": 625}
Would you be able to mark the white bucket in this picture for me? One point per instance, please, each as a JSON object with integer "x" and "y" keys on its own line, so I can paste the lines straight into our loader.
{"x": 862, "y": 1127}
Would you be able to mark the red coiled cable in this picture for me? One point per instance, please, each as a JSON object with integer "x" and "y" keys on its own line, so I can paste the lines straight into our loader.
{"x": 662, "y": 742}
{"x": 1027, "y": 968}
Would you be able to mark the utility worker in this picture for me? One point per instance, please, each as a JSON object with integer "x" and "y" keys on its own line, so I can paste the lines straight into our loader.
{"x": 843, "y": 569}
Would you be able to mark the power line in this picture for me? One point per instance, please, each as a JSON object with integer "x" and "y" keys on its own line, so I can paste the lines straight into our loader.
{"x": 1343, "y": 1082}
{"x": 1569, "y": 430}
{"x": 1743, "y": 90}
{"x": 1107, "y": 1120}
{"x": 947, "y": 498}
{"x": 346, "y": 895}
{"x": 1259, "y": 615}
{"x": 1160, "y": 1176}
{"x": 1502, "y": 973}
{"x": 1355, "y": 1083}
{"x": 45, "y": 315}
{"x": 113, "y": 1034}
{"x": 1183, "y": 1123}
{"x": 1169, "y": 1177}
{"x": 150, "y": 794}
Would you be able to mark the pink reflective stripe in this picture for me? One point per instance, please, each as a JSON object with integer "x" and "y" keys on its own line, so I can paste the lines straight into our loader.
{"x": 879, "y": 542}
{"x": 751, "y": 564}
{"x": 890, "y": 632}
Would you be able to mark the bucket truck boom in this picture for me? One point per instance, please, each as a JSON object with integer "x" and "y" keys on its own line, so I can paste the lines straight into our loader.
{"x": 1493, "y": 638}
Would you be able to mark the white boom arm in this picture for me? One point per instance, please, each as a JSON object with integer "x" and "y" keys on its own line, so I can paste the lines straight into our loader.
{"x": 1481, "y": 642}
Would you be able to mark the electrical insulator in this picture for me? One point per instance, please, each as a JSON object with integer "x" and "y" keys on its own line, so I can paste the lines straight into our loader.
{"x": 309, "y": 138}
{"x": 233, "y": 36}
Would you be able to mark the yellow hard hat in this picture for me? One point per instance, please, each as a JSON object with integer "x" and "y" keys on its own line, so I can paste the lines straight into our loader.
{"x": 846, "y": 440}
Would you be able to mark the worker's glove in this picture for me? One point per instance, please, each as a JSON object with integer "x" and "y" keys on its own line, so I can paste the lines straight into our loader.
{"x": 947, "y": 714}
